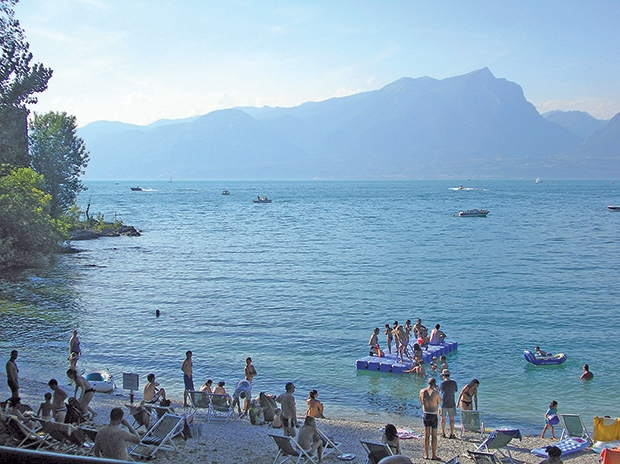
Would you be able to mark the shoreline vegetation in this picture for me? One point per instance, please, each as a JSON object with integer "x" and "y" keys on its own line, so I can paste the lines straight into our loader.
{"x": 238, "y": 441}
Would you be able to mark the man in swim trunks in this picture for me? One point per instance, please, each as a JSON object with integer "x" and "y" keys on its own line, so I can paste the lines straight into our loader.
{"x": 12, "y": 374}
{"x": 152, "y": 392}
{"x": 448, "y": 389}
{"x": 437, "y": 336}
{"x": 289, "y": 410}
{"x": 430, "y": 399}
{"x": 243, "y": 390}
{"x": 59, "y": 408}
{"x": 188, "y": 379}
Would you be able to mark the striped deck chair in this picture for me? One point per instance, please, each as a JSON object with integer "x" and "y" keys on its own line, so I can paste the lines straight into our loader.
{"x": 159, "y": 437}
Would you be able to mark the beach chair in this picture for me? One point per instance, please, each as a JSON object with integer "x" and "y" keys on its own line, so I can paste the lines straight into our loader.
{"x": 329, "y": 445}
{"x": 288, "y": 448}
{"x": 610, "y": 456}
{"x": 481, "y": 457}
{"x": 472, "y": 421}
{"x": 141, "y": 416}
{"x": 25, "y": 436}
{"x": 574, "y": 427}
{"x": 156, "y": 410}
{"x": 498, "y": 440}
{"x": 159, "y": 437}
{"x": 199, "y": 403}
{"x": 68, "y": 439}
{"x": 219, "y": 408}
{"x": 376, "y": 451}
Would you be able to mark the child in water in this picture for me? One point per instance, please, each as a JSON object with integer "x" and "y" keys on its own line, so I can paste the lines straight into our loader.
{"x": 551, "y": 419}
{"x": 444, "y": 363}
{"x": 433, "y": 364}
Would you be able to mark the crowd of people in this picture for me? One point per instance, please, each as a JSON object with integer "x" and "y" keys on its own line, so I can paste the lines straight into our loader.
{"x": 402, "y": 336}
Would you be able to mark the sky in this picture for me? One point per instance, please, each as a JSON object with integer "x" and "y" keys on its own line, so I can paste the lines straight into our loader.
{"x": 138, "y": 61}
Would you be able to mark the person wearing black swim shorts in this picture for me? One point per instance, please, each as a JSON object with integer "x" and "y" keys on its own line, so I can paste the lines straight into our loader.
{"x": 430, "y": 399}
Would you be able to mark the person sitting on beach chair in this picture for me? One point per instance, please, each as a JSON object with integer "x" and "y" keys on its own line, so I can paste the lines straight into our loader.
{"x": 152, "y": 394}
{"x": 309, "y": 438}
{"x": 111, "y": 441}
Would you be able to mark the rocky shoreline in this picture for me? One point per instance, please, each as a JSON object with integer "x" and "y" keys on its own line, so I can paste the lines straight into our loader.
{"x": 240, "y": 442}
{"x": 112, "y": 231}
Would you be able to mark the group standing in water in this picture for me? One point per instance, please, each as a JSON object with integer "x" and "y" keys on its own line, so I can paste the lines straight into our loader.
{"x": 402, "y": 335}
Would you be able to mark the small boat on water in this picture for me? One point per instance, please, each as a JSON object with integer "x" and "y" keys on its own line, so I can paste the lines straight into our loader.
{"x": 262, "y": 199}
{"x": 101, "y": 381}
{"x": 613, "y": 207}
{"x": 136, "y": 189}
{"x": 474, "y": 213}
{"x": 225, "y": 192}
{"x": 543, "y": 360}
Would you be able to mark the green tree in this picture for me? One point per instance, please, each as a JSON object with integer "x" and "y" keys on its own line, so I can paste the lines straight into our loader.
{"x": 27, "y": 230}
{"x": 19, "y": 80}
{"x": 60, "y": 155}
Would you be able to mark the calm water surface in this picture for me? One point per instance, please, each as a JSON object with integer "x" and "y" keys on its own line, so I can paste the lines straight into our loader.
{"x": 300, "y": 283}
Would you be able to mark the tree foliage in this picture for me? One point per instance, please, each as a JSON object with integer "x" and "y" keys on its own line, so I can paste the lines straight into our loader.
{"x": 19, "y": 80}
{"x": 60, "y": 155}
{"x": 27, "y": 230}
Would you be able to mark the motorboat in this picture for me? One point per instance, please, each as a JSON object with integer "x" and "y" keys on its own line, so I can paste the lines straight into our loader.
{"x": 262, "y": 199}
{"x": 136, "y": 189}
{"x": 474, "y": 213}
{"x": 225, "y": 192}
{"x": 101, "y": 381}
{"x": 543, "y": 360}
{"x": 613, "y": 207}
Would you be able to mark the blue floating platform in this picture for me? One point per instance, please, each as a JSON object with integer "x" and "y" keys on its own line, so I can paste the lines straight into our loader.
{"x": 390, "y": 363}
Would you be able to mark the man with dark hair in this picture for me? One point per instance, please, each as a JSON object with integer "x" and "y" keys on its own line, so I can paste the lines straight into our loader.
{"x": 111, "y": 441}
{"x": 152, "y": 392}
{"x": 12, "y": 374}
{"x": 289, "y": 410}
{"x": 188, "y": 377}
{"x": 59, "y": 408}
{"x": 430, "y": 399}
{"x": 447, "y": 389}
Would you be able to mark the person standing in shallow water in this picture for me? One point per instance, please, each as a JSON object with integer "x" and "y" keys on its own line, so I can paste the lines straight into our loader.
{"x": 12, "y": 374}
{"x": 587, "y": 375}
{"x": 249, "y": 371}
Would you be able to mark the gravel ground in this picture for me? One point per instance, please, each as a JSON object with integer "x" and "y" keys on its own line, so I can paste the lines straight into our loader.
{"x": 240, "y": 442}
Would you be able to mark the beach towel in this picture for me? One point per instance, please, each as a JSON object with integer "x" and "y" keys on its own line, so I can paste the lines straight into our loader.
{"x": 406, "y": 434}
{"x": 606, "y": 429}
{"x": 568, "y": 446}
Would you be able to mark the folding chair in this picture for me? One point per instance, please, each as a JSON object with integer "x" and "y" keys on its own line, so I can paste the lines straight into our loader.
{"x": 610, "y": 456}
{"x": 141, "y": 416}
{"x": 498, "y": 440}
{"x": 200, "y": 403}
{"x": 288, "y": 448}
{"x": 58, "y": 435}
{"x": 472, "y": 421}
{"x": 574, "y": 427}
{"x": 26, "y": 436}
{"x": 329, "y": 445}
{"x": 159, "y": 437}
{"x": 376, "y": 451}
{"x": 219, "y": 407}
{"x": 480, "y": 457}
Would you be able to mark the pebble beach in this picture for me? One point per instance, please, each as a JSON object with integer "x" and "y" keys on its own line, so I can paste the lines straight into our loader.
{"x": 238, "y": 441}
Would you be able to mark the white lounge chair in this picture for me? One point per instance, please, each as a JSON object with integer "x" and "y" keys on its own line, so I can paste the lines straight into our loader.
{"x": 159, "y": 437}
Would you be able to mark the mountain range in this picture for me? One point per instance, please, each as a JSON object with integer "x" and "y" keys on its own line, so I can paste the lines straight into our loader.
{"x": 474, "y": 125}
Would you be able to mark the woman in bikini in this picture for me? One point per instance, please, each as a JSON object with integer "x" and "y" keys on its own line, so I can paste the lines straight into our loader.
{"x": 469, "y": 394}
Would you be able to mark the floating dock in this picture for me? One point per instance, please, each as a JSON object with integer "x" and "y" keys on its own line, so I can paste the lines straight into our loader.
{"x": 390, "y": 362}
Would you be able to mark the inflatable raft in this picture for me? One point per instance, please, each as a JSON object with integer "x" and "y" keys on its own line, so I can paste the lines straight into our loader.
{"x": 101, "y": 381}
{"x": 543, "y": 360}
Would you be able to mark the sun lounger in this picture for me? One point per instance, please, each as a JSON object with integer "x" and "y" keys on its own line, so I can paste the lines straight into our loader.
{"x": 159, "y": 437}
{"x": 610, "y": 456}
{"x": 375, "y": 451}
{"x": 25, "y": 436}
{"x": 481, "y": 457}
{"x": 329, "y": 445}
{"x": 199, "y": 403}
{"x": 472, "y": 421}
{"x": 498, "y": 440}
{"x": 574, "y": 427}
{"x": 288, "y": 448}
{"x": 141, "y": 416}
{"x": 219, "y": 408}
